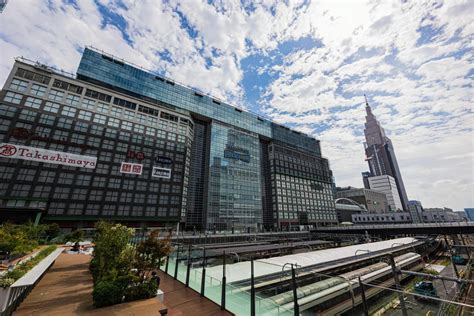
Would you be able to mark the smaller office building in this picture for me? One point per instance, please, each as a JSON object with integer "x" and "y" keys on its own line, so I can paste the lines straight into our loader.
{"x": 438, "y": 214}
{"x": 387, "y": 185}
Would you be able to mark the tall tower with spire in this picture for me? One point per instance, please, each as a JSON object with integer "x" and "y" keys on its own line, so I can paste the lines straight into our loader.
{"x": 381, "y": 154}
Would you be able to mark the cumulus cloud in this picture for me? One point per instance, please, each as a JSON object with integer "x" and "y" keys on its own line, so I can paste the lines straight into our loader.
{"x": 316, "y": 60}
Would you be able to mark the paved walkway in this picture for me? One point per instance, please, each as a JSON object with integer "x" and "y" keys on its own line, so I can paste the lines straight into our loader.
{"x": 66, "y": 289}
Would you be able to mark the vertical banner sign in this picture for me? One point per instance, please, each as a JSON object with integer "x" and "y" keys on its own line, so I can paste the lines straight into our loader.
{"x": 15, "y": 151}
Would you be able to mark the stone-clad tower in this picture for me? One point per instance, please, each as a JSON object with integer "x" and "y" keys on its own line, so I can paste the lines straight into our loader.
{"x": 381, "y": 154}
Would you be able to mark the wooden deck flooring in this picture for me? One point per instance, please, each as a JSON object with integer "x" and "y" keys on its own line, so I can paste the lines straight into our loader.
{"x": 66, "y": 289}
{"x": 183, "y": 301}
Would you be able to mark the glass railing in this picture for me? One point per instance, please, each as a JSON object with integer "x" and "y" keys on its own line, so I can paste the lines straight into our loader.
{"x": 316, "y": 292}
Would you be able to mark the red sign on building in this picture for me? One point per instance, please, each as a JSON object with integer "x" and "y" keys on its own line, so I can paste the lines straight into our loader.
{"x": 131, "y": 168}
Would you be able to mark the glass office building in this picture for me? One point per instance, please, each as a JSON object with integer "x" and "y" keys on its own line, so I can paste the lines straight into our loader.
{"x": 119, "y": 142}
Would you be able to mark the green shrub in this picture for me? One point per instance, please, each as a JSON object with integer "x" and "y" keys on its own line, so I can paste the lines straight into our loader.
{"x": 6, "y": 282}
{"x": 75, "y": 236}
{"x": 125, "y": 281}
{"x": 18, "y": 240}
{"x": 107, "y": 293}
{"x": 141, "y": 291}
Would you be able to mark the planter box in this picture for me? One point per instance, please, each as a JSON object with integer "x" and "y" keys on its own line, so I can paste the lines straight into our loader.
{"x": 12, "y": 296}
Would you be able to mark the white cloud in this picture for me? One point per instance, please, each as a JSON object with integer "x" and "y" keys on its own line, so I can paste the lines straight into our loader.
{"x": 412, "y": 59}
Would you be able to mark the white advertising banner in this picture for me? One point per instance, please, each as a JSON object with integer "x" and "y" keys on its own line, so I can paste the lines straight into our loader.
{"x": 161, "y": 172}
{"x": 44, "y": 155}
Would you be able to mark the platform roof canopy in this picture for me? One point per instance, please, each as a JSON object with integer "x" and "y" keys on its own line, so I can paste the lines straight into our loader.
{"x": 241, "y": 271}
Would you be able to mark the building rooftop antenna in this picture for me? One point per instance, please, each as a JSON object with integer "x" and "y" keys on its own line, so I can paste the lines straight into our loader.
{"x": 366, "y": 102}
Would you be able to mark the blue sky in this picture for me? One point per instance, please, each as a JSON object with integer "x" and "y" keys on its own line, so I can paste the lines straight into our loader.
{"x": 306, "y": 64}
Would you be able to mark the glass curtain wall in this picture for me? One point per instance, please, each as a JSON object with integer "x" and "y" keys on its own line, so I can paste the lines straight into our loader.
{"x": 234, "y": 180}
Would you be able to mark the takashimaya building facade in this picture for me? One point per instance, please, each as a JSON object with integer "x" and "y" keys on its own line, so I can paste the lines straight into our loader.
{"x": 121, "y": 143}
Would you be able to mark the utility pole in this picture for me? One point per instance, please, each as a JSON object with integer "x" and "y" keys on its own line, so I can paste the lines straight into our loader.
{"x": 397, "y": 285}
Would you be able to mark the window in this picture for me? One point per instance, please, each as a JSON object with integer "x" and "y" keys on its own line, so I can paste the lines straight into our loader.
{"x": 150, "y": 131}
{"x": 7, "y": 110}
{"x": 85, "y": 115}
{"x": 141, "y": 118}
{"x": 27, "y": 115}
{"x": 101, "y": 119}
{"x": 68, "y": 111}
{"x": 33, "y": 102}
{"x": 12, "y": 97}
{"x": 65, "y": 178}
{"x": 169, "y": 117}
{"x": 51, "y": 107}
{"x": 98, "y": 95}
{"x": 139, "y": 128}
{"x": 73, "y": 100}
{"x": 20, "y": 190}
{"x": 41, "y": 191}
{"x": 26, "y": 174}
{"x": 64, "y": 123}
{"x": 161, "y": 134}
{"x": 92, "y": 209}
{"x": 38, "y": 90}
{"x": 171, "y": 136}
{"x": 102, "y": 107}
{"x": 128, "y": 114}
{"x": 61, "y": 193}
{"x": 125, "y": 103}
{"x": 81, "y": 127}
{"x": 19, "y": 85}
{"x": 148, "y": 110}
{"x": 56, "y": 95}
{"x": 116, "y": 111}
{"x": 23, "y": 73}
{"x": 127, "y": 125}
{"x": 46, "y": 176}
{"x": 152, "y": 120}
{"x": 88, "y": 104}
{"x": 113, "y": 122}
{"x": 47, "y": 119}
{"x": 67, "y": 86}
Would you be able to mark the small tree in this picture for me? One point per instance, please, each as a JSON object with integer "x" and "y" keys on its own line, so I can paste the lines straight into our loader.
{"x": 112, "y": 252}
{"x": 74, "y": 236}
{"x": 52, "y": 231}
{"x": 150, "y": 252}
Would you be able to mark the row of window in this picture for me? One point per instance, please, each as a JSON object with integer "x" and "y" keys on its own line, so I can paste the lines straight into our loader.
{"x": 23, "y": 73}
{"x": 60, "y": 208}
{"x": 75, "y": 100}
{"x": 89, "y": 116}
{"x": 67, "y": 86}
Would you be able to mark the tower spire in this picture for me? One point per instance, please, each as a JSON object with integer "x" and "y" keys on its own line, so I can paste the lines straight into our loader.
{"x": 368, "y": 109}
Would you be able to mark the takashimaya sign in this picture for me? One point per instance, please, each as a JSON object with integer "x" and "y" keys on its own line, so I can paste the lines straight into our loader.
{"x": 43, "y": 155}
